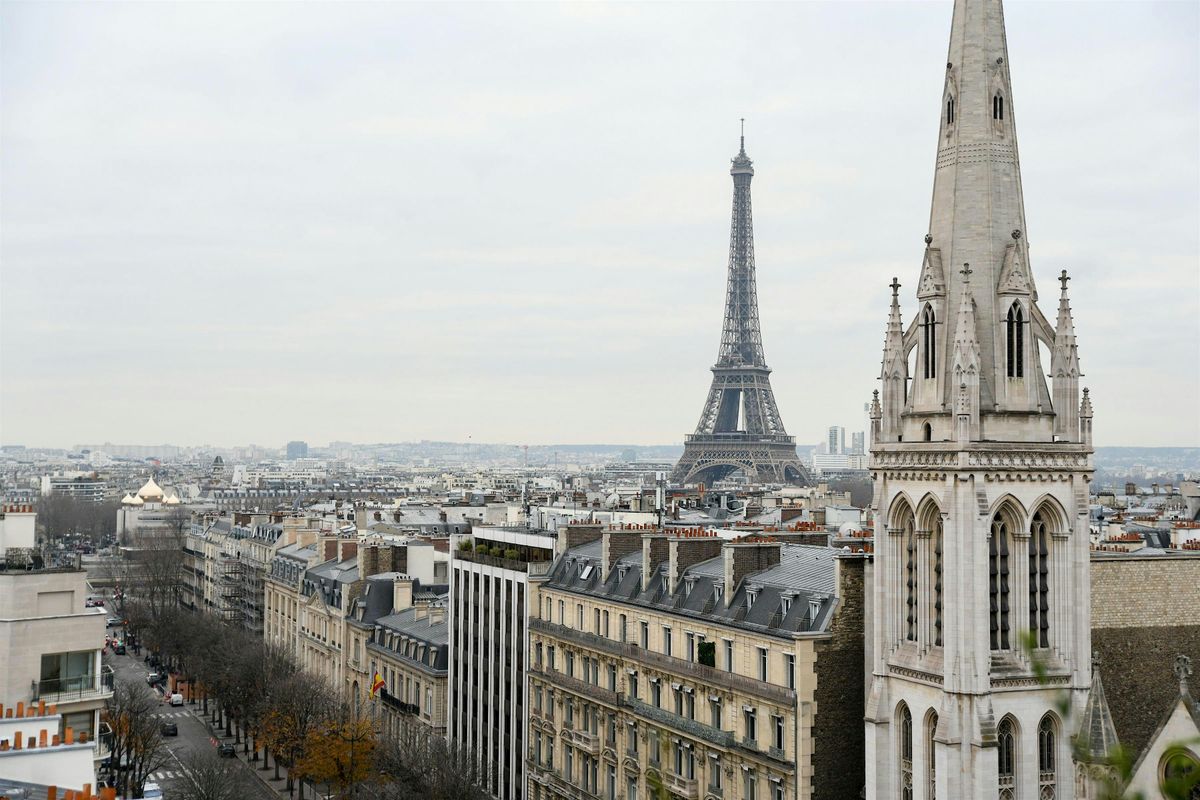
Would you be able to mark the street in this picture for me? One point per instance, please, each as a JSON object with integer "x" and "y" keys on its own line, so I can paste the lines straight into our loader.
{"x": 194, "y": 737}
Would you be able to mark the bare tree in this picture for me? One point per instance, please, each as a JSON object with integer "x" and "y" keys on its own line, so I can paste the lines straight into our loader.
{"x": 136, "y": 741}
{"x": 210, "y": 778}
{"x": 418, "y": 765}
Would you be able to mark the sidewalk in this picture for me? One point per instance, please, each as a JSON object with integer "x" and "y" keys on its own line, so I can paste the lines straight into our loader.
{"x": 264, "y": 776}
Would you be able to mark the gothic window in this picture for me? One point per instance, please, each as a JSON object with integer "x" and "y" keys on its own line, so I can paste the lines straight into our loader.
{"x": 937, "y": 582}
{"x": 927, "y": 429}
{"x": 910, "y": 581}
{"x": 998, "y": 106}
{"x": 1006, "y": 737}
{"x": 1039, "y": 581}
{"x": 1047, "y": 760}
{"x": 931, "y": 755}
{"x": 950, "y": 110}
{"x": 906, "y": 754}
{"x": 998, "y": 576}
{"x": 1015, "y": 328}
{"x": 928, "y": 328}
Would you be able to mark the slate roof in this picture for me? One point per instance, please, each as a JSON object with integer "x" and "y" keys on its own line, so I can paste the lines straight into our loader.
{"x": 795, "y": 596}
{"x": 405, "y": 624}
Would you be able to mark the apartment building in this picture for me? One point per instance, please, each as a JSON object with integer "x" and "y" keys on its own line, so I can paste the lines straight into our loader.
{"x": 51, "y": 644}
{"x": 398, "y": 631}
{"x": 706, "y": 666}
{"x": 227, "y": 557}
{"x": 489, "y": 607}
{"x": 348, "y": 611}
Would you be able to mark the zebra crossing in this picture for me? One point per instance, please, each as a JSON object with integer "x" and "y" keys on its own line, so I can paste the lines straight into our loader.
{"x": 173, "y": 714}
{"x": 166, "y": 775}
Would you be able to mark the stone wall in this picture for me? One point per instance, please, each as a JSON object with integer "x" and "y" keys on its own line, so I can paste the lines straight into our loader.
{"x": 838, "y": 764}
{"x": 1145, "y": 612}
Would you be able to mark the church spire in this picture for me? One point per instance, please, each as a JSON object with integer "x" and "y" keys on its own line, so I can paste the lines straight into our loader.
{"x": 894, "y": 374}
{"x": 1064, "y": 369}
{"x": 978, "y": 210}
{"x": 966, "y": 356}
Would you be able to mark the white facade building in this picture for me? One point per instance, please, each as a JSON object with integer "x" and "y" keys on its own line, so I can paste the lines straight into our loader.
{"x": 981, "y": 488}
{"x": 489, "y": 607}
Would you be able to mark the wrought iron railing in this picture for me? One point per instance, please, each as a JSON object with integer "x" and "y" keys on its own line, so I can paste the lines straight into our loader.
{"x": 77, "y": 687}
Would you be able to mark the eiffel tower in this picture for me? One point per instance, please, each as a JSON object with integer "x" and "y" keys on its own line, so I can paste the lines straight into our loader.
{"x": 740, "y": 428}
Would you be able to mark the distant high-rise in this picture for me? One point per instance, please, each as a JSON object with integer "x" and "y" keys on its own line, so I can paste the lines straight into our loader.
{"x": 297, "y": 450}
{"x": 836, "y": 440}
{"x": 858, "y": 439}
{"x": 740, "y": 428}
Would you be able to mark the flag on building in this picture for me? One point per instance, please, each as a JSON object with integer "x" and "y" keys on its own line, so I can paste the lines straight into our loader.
{"x": 376, "y": 684}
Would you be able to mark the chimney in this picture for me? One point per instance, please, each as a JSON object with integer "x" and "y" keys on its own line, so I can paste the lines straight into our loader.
{"x": 577, "y": 533}
{"x": 368, "y": 562}
{"x": 615, "y": 545}
{"x": 402, "y": 594}
{"x": 744, "y": 557}
{"x": 360, "y": 517}
{"x": 347, "y": 548}
{"x": 654, "y": 555}
{"x": 437, "y": 615}
{"x": 686, "y": 550}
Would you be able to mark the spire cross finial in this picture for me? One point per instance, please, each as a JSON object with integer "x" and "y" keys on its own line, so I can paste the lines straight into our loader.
{"x": 966, "y": 271}
{"x": 1183, "y": 671}
{"x": 895, "y": 284}
{"x": 1063, "y": 278}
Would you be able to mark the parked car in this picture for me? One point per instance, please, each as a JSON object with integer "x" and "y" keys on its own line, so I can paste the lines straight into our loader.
{"x": 153, "y": 678}
{"x": 152, "y": 791}
{"x": 177, "y": 699}
{"x": 114, "y": 622}
{"x": 169, "y": 729}
{"x": 227, "y": 750}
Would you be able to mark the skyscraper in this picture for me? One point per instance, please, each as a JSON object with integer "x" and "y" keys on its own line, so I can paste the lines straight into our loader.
{"x": 297, "y": 450}
{"x": 981, "y": 480}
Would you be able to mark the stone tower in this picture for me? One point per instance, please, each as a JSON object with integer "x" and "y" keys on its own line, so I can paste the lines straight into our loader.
{"x": 740, "y": 427}
{"x": 981, "y": 480}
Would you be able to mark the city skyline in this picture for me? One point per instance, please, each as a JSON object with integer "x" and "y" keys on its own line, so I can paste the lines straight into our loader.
{"x": 207, "y": 238}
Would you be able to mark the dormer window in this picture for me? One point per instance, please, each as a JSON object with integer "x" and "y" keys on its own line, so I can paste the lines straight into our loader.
{"x": 751, "y": 596}
{"x": 998, "y": 107}
{"x": 814, "y": 608}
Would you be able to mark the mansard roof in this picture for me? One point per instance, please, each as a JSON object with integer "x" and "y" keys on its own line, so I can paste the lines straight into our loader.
{"x": 794, "y": 596}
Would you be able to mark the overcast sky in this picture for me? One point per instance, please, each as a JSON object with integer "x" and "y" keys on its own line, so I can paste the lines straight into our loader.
{"x": 253, "y": 222}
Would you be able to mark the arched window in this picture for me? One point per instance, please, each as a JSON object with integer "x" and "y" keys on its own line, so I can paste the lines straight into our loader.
{"x": 937, "y": 582}
{"x": 998, "y": 106}
{"x": 1016, "y": 341}
{"x": 998, "y": 576}
{"x": 950, "y": 110}
{"x": 1178, "y": 770}
{"x": 910, "y": 581}
{"x": 931, "y": 722}
{"x": 927, "y": 429}
{"x": 928, "y": 342}
{"x": 1047, "y": 760}
{"x": 906, "y": 753}
{"x": 1039, "y": 580}
{"x": 1006, "y": 737}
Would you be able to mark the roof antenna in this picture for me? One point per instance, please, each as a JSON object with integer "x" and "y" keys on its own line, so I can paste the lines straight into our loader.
{"x": 743, "y": 134}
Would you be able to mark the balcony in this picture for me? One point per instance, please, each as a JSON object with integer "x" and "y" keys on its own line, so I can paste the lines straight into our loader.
{"x": 391, "y": 701}
{"x": 680, "y": 786}
{"x": 75, "y": 689}
{"x": 584, "y": 740}
{"x": 709, "y": 676}
{"x": 102, "y": 745}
